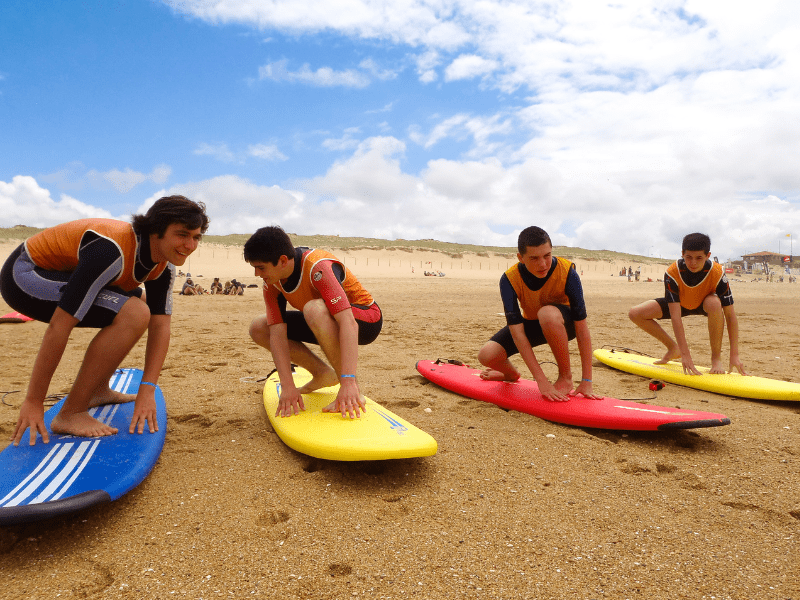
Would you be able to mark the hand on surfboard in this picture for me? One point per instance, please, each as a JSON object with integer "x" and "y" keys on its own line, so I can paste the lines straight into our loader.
{"x": 290, "y": 402}
{"x": 144, "y": 410}
{"x": 349, "y": 401}
{"x": 585, "y": 390}
{"x": 31, "y": 415}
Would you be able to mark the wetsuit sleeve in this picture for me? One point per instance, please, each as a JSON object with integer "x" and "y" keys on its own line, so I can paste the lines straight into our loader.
{"x": 724, "y": 291}
{"x": 274, "y": 310}
{"x": 159, "y": 292}
{"x": 99, "y": 263}
{"x": 671, "y": 290}
{"x": 574, "y": 291}
{"x": 327, "y": 277}
{"x": 510, "y": 302}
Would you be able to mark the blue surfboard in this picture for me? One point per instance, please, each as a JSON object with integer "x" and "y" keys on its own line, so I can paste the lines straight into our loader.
{"x": 72, "y": 473}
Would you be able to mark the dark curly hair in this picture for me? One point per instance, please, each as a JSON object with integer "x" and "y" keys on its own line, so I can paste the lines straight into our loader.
{"x": 169, "y": 210}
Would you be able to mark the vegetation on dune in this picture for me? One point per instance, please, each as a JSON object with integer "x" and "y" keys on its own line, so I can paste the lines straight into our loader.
{"x": 335, "y": 242}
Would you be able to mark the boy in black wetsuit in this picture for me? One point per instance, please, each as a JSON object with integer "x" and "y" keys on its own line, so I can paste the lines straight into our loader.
{"x": 693, "y": 285}
{"x": 543, "y": 300}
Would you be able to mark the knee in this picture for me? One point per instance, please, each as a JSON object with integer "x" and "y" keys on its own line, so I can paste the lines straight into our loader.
{"x": 712, "y": 304}
{"x": 491, "y": 353}
{"x": 136, "y": 313}
{"x": 550, "y": 316}
{"x": 315, "y": 312}
{"x": 259, "y": 332}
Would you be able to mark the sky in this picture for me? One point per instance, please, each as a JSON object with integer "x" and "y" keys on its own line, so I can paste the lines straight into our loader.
{"x": 619, "y": 126}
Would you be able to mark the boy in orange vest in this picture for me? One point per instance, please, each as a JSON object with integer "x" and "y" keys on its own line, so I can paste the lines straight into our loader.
{"x": 694, "y": 285}
{"x": 543, "y": 300}
{"x": 88, "y": 273}
{"x": 333, "y": 311}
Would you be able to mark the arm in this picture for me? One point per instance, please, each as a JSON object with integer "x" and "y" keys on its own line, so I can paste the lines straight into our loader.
{"x": 733, "y": 336}
{"x": 680, "y": 339}
{"x": 547, "y": 389}
{"x": 290, "y": 401}
{"x": 31, "y": 413}
{"x": 349, "y": 399}
{"x": 158, "y": 335}
{"x": 584, "y": 339}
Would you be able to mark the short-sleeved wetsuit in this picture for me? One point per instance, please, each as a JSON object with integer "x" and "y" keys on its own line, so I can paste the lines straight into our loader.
{"x": 524, "y": 294}
{"x": 690, "y": 289}
{"x": 320, "y": 275}
{"x": 88, "y": 268}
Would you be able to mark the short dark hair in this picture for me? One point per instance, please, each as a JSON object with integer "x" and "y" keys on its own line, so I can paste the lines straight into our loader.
{"x": 532, "y": 236}
{"x": 168, "y": 210}
{"x": 696, "y": 241}
{"x": 268, "y": 244}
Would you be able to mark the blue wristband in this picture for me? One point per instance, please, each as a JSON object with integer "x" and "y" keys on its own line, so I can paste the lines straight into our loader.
{"x": 588, "y": 380}
{"x": 147, "y": 383}
{"x": 347, "y": 376}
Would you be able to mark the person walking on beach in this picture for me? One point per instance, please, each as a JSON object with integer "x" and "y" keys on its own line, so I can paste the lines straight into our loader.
{"x": 333, "y": 310}
{"x": 87, "y": 273}
{"x": 693, "y": 285}
{"x": 543, "y": 300}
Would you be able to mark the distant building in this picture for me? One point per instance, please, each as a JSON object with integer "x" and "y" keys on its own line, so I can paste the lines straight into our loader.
{"x": 770, "y": 258}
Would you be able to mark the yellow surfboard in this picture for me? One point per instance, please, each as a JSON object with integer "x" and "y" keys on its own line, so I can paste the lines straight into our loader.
{"x": 378, "y": 435}
{"x": 729, "y": 384}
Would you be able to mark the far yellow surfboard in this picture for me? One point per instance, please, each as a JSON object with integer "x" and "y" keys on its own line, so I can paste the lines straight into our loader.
{"x": 378, "y": 435}
{"x": 729, "y": 384}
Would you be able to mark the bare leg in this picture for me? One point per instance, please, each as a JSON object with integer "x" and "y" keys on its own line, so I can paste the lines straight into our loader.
{"x": 322, "y": 375}
{"x": 716, "y": 324}
{"x": 104, "y": 355}
{"x": 555, "y": 332}
{"x": 326, "y": 330}
{"x": 498, "y": 368}
{"x": 644, "y": 315}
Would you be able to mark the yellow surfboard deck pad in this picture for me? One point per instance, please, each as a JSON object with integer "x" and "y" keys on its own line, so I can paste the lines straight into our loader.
{"x": 729, "y": 384}
{"x": 378, "y": 434}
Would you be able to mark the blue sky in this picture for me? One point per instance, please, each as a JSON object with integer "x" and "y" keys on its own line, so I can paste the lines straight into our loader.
{"x": 617, "y": 127}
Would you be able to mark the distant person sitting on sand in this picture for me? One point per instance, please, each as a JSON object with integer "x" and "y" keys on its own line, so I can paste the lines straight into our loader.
{"x": 216, "y": 286}
{"x": 190, "y": 289}
{"x": 693, "y": 285}
{"x": 237, "y": 289}
{"x": 87, "y": 273}
{"x": 543, "y": 300}
{"x": 333, "y": 311}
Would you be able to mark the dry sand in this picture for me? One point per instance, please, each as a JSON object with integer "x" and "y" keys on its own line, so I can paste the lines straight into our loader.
{"x": 502, "y": 511}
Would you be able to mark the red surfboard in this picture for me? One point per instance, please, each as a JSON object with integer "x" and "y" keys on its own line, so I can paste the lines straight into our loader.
{"x": 14, "y": 317}
{"x": 524, "y": 396}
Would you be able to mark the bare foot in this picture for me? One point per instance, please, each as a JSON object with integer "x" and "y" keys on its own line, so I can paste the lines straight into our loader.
{"x": 323, "y": 380}
{"x": 717, "y": 368}
{"x": 109, "y": 396}
{"x": 672, "y": 354}
{"x": 81, "y": 424}
{"x": 493, "y": 375}
{"x": 564, "y": 385}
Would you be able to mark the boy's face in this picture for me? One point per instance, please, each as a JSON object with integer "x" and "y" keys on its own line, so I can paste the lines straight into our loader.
{"x": 695, "y": 259}
{"x": 175, "y": 246}
{"x": 270, "y": 273}
{"x": 537, "y": 259}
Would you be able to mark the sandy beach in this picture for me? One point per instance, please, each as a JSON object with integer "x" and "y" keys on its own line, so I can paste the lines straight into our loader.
{"x": 510, "y": 507}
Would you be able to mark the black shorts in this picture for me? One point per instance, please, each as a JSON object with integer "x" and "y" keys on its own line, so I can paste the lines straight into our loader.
{"x": 298, "y": 330}
{"x": 35, "y": 292}
{"x": 533, "y": 330}
{"x": 662, "y": 302}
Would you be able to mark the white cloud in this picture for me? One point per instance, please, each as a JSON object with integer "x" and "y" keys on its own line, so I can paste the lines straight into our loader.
{"x": 347, "y": 142}
{"x": 76, "y": 177}
{"x": 322, "y": 77}
{"x": 219, "y": 151}
{"x": 469, "y": 66}
{"x": 266, "y": 152}
{"x": 24, "y": 202}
